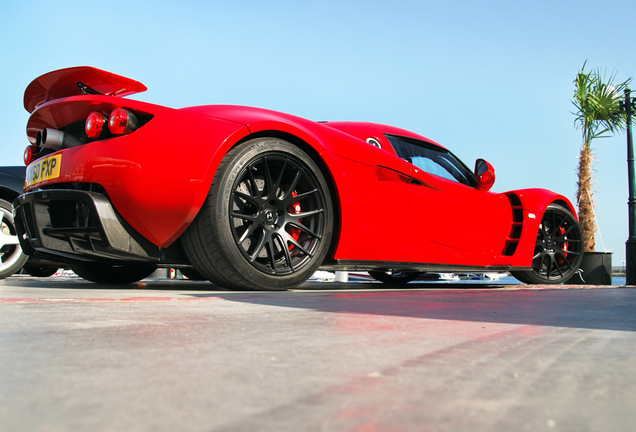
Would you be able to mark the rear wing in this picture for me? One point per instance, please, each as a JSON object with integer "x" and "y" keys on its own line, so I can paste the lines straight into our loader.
{"x": 78, "y": 81}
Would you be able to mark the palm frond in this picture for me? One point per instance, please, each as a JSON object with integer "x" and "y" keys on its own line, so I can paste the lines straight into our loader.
{"x": 598, "y": 102}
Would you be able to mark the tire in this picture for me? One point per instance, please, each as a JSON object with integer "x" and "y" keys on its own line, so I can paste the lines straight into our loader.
{"x": 558, "y": 251}
{"x": 39, "y": 270}
{"x": 12, "y": 258}
{"x": 113, "y": 274}
{"x": 267, "y": 221}
{"x": 395, "y": 277}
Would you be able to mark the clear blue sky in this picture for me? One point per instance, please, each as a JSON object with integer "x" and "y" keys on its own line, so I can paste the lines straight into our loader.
{"x": 489, "y": 79}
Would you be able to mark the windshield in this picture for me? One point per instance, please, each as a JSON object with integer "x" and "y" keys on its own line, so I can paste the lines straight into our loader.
{"x": 432, "y": 159}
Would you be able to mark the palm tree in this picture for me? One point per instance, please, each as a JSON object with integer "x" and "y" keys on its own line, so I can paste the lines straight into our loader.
{"x": 599, "y": 113}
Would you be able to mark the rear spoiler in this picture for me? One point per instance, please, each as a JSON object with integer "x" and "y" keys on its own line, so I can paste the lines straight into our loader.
{"x": 78, "y": 81}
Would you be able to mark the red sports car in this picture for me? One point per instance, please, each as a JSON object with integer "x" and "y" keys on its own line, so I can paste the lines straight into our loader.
{"x": 255, "y": 199}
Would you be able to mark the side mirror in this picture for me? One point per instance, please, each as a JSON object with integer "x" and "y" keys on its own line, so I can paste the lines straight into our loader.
{"x": 485, "y": 174}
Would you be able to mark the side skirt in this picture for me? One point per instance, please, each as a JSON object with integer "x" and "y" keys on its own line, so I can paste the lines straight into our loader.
{"x": 346, "y": 265}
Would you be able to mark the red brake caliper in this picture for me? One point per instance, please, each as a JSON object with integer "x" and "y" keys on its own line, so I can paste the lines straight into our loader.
{"x": 294, "y": 209}
{"x": 564, "y": 246}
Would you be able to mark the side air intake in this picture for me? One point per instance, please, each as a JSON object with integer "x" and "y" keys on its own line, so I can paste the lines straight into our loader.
{"x": 512, "y": 241}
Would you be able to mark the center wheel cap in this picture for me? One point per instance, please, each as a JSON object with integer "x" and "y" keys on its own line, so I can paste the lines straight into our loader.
{"x": 269, "y": 216}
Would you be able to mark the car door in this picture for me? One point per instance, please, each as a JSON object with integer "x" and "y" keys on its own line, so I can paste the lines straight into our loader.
{"x": 453, "y": 221}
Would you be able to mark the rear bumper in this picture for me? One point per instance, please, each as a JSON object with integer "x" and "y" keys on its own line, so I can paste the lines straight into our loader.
{"x": 75, "y": 225}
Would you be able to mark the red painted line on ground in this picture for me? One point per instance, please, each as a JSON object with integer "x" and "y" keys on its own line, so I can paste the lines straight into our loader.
{"x": 104, "y": 300}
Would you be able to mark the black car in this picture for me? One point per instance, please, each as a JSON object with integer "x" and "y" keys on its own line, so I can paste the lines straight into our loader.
{"x": 12, "y": 259}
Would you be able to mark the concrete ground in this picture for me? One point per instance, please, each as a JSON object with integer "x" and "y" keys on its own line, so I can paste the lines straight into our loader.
{"x": 166, "y": 355}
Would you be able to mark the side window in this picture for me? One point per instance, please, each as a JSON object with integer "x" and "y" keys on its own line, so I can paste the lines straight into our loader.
{"x": 432, "y": 159}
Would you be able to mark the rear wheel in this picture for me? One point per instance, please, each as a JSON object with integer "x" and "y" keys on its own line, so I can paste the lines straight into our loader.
{"x": 113, "y": 274}
{"x": 11, "y": 256}
{"x": 267, "y": 221}
{"x": 395, "y": 277}
{"x": 558, "y": 251}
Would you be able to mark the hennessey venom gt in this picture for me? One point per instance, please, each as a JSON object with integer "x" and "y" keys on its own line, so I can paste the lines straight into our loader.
{"x": 249, "y": 198}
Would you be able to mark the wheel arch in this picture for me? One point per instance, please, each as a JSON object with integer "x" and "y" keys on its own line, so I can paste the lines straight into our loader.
{"x": 567, "y": 204}
{"x": 538, "y": 200}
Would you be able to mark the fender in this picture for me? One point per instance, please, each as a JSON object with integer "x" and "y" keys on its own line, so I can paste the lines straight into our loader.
{"x": 329, "y": 138}
{"x": 537, "y": 200}
{"x": 134, "y": 169}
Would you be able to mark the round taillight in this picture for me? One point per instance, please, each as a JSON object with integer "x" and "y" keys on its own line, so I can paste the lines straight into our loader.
{"x": 121, "y": 122}
{"x": 30, "y": 153}
{"x": 95, "y": 124}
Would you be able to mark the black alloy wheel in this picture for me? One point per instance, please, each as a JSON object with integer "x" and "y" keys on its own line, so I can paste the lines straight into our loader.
{"x": 558, "y": 251}
{"x": 277, "y": 213}
{"x": 267, "y": 222}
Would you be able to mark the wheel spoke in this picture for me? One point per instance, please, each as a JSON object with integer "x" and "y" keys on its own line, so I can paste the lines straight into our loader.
{"x": 564, "y": 236}
{"x": 247, "y": 233}
{"x": 549, "y": 266}
{"x": 269, "y": 186}
{"x": 554, "y": 225}
{"x": 291, "y": 240}
{"x": 289, "y": 198}
{"x": 292, "y": 187}
{"x": 308, "y": 213}
{"x": 271, "y": 254}
{"x": 560, "y": 224}
{"x": 252, "y": 181}
{"x": 556, "y": 265}
{"x": 8, "y": 240}
{"x": 565, "y": 259}
{"x": 288, "y": 258}
{"x": 259, "y": 247}
{"x": 276, "y": 187}
{"x": 306, "y": 230}
{"x": 250, "y": 218}
{"x": 249, "y": 198}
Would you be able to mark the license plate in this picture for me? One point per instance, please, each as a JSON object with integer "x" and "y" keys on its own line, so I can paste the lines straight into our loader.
{"x": 43, "y": 169}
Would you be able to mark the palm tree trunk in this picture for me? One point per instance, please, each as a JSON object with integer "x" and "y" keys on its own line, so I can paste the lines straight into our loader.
{"x": 584, "y": 199}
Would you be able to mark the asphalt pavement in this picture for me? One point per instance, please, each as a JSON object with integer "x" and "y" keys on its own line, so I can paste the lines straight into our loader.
{"x": 177, "y": 355}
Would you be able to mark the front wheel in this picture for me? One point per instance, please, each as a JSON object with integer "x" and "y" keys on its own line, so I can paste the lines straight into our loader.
{"x": 558, "y": 251}
{"x": 113, "y": 274}
{"x": 267, "y": 221}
